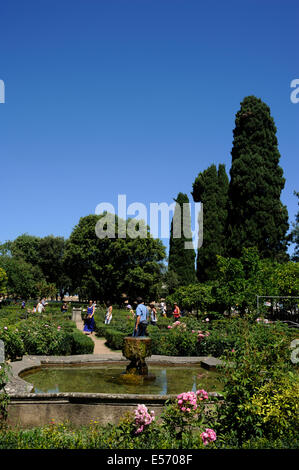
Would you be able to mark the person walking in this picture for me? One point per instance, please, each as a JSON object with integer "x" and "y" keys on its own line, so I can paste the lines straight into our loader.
{"x": 89, "y": 322}
{"x": 40, "y": 308}
{"x": 176, "y": 312}
{"x": 108, "y": 316}
{"x": 64, "y": 307}
{"x": 153, "y": 312}
{"x": 141, "y": 318}
{"x": 163, "y": 309}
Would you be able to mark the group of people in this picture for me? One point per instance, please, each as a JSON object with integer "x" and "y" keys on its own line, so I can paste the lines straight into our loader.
{"x": 38, "y": 308}
{"x": 89, "y": 322}
{"x": 143, "y": 315}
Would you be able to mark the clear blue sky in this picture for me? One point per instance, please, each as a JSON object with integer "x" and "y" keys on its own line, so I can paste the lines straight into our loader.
{"x": 135, "y": 97}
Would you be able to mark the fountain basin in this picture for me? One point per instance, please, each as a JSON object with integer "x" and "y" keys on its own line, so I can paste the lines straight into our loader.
{"x": 28, "y": 409}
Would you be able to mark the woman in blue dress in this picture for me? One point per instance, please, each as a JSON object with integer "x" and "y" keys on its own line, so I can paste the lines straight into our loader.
{"x": 89, "y": 322}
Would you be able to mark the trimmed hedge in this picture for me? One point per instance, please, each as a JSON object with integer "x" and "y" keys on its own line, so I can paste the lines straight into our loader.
{"x": 114, "y": 338}
{"x": 35, "y": 337}
{"x": 81, "y": 344}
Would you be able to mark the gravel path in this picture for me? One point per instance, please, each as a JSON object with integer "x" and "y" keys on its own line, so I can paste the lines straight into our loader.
{"x": 99, "y": 344}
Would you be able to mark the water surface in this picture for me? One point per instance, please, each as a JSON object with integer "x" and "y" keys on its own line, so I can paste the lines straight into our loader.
{"x": 104, "y": 378}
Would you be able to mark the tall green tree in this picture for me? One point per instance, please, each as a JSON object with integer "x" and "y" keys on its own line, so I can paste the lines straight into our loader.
{"x": 22, "y": 277}
{"x": 211, "y": 189}
{"x": 295, "y": 234}
{"x": 181, "y": 259}
{"x": 51, "y": 252}
{"x": 26, "y": 247}
{"x": 242, "y": 279}
{"x": 105, "y": 268}
{"x": 256, "y": 215}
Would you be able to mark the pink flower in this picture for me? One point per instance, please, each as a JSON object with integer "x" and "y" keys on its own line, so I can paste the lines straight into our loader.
{"x": 208, "y": 436}
{"x": 143, "y": 418}
{"x": 169, "y": 327}
{"x": 207, "y": 319}
{"x": 202, "y": 394}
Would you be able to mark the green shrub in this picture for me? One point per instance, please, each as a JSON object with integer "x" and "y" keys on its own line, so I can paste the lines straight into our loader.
{"x": 114, "y": 338}
{"x": 261, "y": 356}
{"x": 81, "y": 344}
{"x": 13, "y": 343}
{"x": 276, "y": 407}
{"x": 100, "y": 329}
{"x": 216, "y": 344}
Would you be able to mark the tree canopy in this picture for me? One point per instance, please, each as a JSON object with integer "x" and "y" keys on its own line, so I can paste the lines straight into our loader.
{"x": 106, "y": 268}
{"x": 211, "y": 189}
{"x": 256, "y": 215}
{"x": 181, "y": 257}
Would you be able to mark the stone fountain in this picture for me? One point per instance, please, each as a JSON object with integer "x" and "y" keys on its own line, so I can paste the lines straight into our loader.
{"x": 137, "y": 349}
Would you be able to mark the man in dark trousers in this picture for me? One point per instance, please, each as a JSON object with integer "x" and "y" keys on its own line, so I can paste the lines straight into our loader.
{"x": 141, "y": 318}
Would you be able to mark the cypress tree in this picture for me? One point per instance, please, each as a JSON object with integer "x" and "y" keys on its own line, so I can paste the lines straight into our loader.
{"x": 256, "y": 216}
{"x": 181, "y": 260}
{"x": 295, "y": 234}
{"x": 211, "y": 189}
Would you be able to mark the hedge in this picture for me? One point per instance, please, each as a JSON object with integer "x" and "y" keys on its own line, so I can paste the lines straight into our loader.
{"x": 115, "y": 338}
{"x": 81, "y": 344}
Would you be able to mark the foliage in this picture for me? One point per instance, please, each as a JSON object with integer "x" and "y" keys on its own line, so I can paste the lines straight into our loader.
{"x": 35, "y": 265}
{"x": 211, "y": 189}
{"x": 39, "y": 336}
{"x": 81, "y": 344}
{"x": 256, "y": 215}
{"x": 26, "y": 247}
{"x": 104, "y": 268}
{"x": 4, "y": 397}
{"x": 120, "y": 436}
{"x": 22, "y": 276}
{"x": 286, "y": 277}
{"x": 241, "y": 280}
{"x": 43, "y": 289}
{"x": 170, "y": 282}
{"x": 295, "y": 233}
{"x": 13, "y": 342}
{"x": 114, "y": 338}
{"x": 51, "y": 255}
{"x": 193, "y": 296}
{"x": 261, "y": 355}
{"x": 3, "y": 281}
{"x": 276, "y": 407}
{"x": 181, "y": 260}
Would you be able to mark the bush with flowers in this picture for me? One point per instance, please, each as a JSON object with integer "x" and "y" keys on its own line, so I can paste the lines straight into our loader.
{"x": 187, "y": 418}
{"x": 43, "y": 337}
{"x": 251, "y": 373}
{"x": 143, "y": 418}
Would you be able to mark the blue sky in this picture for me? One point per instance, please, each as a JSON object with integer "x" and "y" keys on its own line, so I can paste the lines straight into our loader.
{"x": 135, "y": 97}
